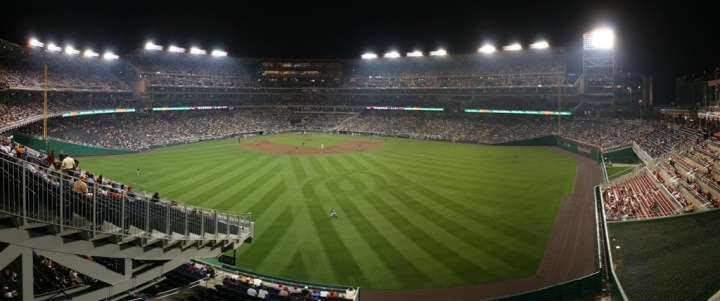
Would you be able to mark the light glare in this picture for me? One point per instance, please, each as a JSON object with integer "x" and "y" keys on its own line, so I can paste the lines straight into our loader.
{"x": 512, "y": 47}
{"x": 195, "y": 50}
{"x": 219, "y": 53}
{"x": 439, "y": 52}
{"x": 53, "y": 47}
{"x": 392, "y": 54}
{"x": 416, "y": 53}
{"x": 368, "y": 56}
{"x": 35, "y": 43}
{"x": 71, "y": 50}
{"x": 540, "y": 45}
{"x": 599, "y": 39}
{"x": 90, "y": 53}
{"x": 151, "y": 46}
{"x": 487, "y": 49}
{"x": 176, "y": 49}
{"x": 110, "y": 56}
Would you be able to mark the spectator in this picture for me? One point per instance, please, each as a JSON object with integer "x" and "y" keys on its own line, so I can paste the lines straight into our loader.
{"x": 68, "y": 164}
{"x": 252, "y": 292}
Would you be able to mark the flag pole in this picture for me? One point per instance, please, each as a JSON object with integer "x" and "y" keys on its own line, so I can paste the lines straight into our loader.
{"x": 45, "y": 109}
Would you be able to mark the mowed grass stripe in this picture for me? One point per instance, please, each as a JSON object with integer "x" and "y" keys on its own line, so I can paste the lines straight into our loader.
{"x": 479, "y": 241}
{"x": 337, "y": 253}
{"x": 315, "y": 163}
{"x": 252, "y": 187}
{"x": 358, "y": 236}
{"x": 272, "y": 196}
{"x": 277, "y": 229}
{"x": 225, "y": 183}
{"x": 459, "y": 208}
{"x": 298, "y": 170}
{"x": 223, "y": 176}
{"x": 456, "y": 264}
{"x": 434, "y": 217}
{"x": 232, "y": 179}
{"x": 459, "y": 195}
{"x": 378, "y": 256}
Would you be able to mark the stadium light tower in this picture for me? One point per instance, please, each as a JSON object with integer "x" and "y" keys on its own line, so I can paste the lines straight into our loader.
{"x": 439, "y": 52}
{"x": 599, "y": 68}
{"x": 151, "y": 46}
{"x": 513, "y": 47}
{"x": 540, "y": 45}
{"x": 90, "y": 53}
{"x": 219, "y": 53}
{"x": 416, "y": 53}
{"x": 176, "y": 49}
{"x": 35, "y": 43}
{"x": 71, "y": 51}
{"x": 53, "y": 48}
{"x": 599, "y": 39}
{"x": 487, "y": 49}
{"x": 110, "y": 56}
{"x": 392, "y": 55}
{"x": 195, "y": 50}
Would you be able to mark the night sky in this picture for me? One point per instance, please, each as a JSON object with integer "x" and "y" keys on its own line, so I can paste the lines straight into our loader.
{"x": 664, "y": 41}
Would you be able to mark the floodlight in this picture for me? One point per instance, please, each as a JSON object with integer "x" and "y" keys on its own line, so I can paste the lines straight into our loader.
{"x": 540, "y": 45}
{"x": 416, "y": 53}
{"x": 512, "y": 47}
{"x": 195, "y": 50}
{"x": 439, "y": 52}
{"x": 90, "y": 53}
{"x": 110, "y": 56}
{"x": 151, "y": 46}
{"x": 392, "y": 54}
{"x": 71, "y": 50}
{"x": 175, "y": 49}
{"x": 35, "y": 43}
{"x": 54, "y": 48}
{"x": 219, "y": 53}
{"x": 368, "y": 56}
{"x": 487, "y": 49}
{"x": 599, "y": 39}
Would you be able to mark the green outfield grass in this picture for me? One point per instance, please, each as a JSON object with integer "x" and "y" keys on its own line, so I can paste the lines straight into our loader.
{"x": 412, "y": 214}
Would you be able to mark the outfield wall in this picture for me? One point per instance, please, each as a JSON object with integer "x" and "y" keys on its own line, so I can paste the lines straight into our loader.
{"x": 66, "y": 147}
{"x": 623, "y": 155}
{"x": 578, "y": 147}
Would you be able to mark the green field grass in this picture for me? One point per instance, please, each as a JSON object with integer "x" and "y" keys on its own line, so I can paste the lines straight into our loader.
{"x": 617, "y": 171}
{"x": 412, "y": 214}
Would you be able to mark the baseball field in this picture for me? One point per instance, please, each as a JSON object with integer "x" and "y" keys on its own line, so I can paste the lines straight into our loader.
{"x": 411, "y": 213}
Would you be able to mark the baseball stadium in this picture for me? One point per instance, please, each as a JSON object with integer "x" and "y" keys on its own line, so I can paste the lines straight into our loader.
{"x": 500, "y": 175}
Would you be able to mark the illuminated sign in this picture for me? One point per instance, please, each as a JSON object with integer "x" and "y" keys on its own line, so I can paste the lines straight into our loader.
{"x": 520, "y": 112}
{"x": 405, "y": 108}
{"x": 93, "y": 112}
{"x": 190, "y": 108}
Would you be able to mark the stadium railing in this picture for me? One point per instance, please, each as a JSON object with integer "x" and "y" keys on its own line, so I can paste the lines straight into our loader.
{"x": 41, "y": 198}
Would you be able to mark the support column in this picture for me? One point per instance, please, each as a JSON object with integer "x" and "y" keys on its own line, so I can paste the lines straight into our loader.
{"x": 25, "y": 281}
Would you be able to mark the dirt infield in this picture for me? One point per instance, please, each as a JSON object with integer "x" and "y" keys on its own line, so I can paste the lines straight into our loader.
{"x": 280, "y": 148}
{"x": 571, "y": 252}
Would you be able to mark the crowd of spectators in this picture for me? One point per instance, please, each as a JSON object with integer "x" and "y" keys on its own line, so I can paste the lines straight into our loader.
{"x": 142, "y": 130}
{"x": 24, "y": 68}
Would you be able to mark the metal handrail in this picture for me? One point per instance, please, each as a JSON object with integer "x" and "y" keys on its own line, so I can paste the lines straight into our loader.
{"x": 34, "y": 194}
